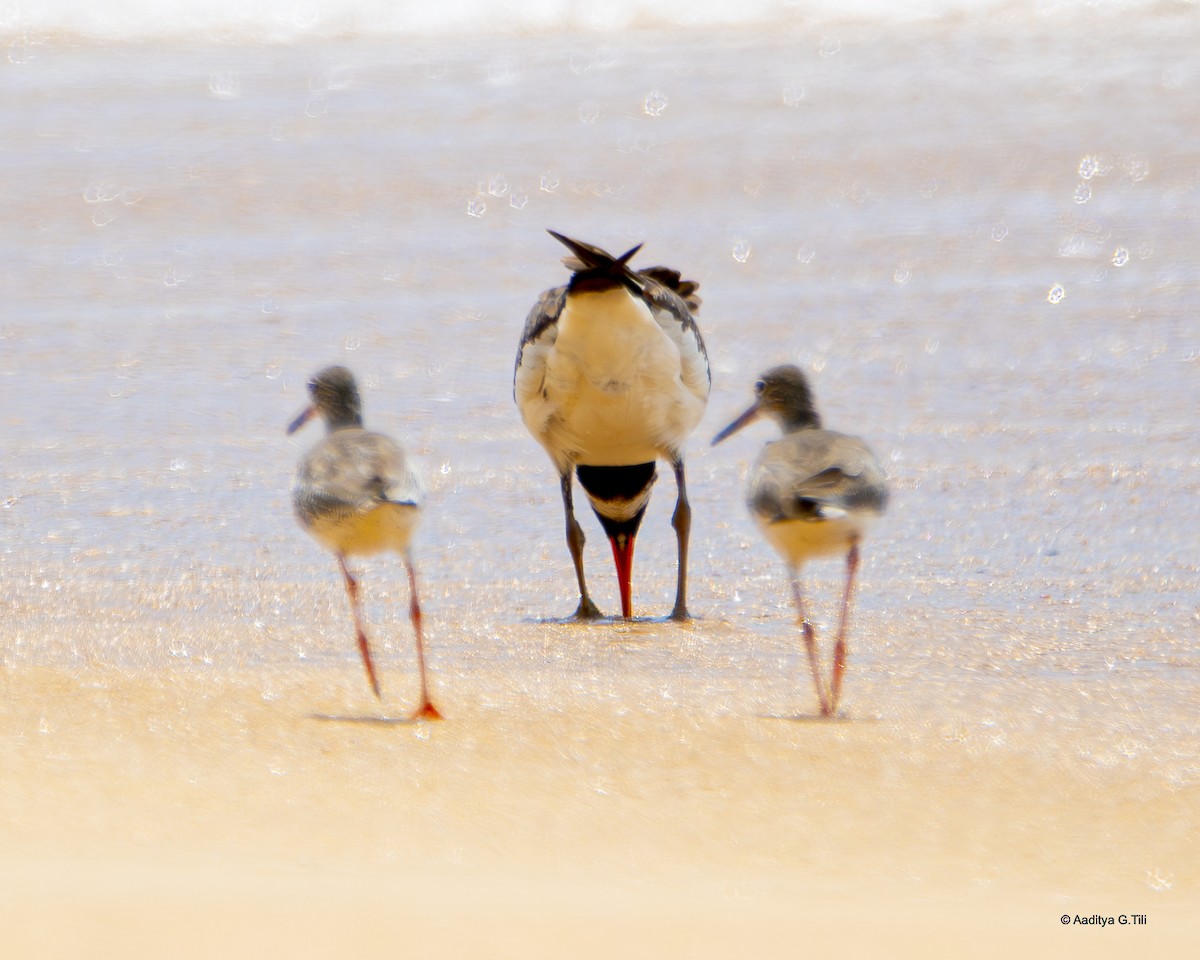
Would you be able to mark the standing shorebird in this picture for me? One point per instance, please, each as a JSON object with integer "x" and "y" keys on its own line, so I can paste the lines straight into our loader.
{"x": 612, "y": 375}
{"x": 813, "y": 493}
{"x": 357, "y": 494}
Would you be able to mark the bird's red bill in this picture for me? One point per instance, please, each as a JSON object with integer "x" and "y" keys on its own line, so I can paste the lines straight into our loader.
{"x": 622, "y": 548}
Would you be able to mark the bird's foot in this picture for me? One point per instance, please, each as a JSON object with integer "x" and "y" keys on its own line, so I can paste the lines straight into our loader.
{"x": 586, "y": 611}
{"x": 427, "y": 711}
{"x": 680, "y": 614}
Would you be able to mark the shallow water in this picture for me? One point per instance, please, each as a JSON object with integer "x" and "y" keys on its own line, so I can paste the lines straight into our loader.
{"x": 978, "y": 236}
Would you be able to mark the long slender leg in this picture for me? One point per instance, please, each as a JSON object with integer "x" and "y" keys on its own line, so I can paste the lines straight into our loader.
{"x": 575, "y": 540}
{"x": 363, "y": 647}
{"x": 681, "y": 520}
{"x": 425, "y": 710}
{"x": 839, "y": 649}
{"x": 810, "y": 644}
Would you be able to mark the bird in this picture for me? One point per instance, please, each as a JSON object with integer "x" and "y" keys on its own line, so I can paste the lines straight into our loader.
{"x": 357, "y": 494}
{"x": 813, "y": 493}
{"x": 611, "y": 376}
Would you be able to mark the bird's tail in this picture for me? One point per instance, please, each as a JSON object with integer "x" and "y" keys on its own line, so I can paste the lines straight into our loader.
{"x": 589, "y": 262}
{"x": 673, "y": 280}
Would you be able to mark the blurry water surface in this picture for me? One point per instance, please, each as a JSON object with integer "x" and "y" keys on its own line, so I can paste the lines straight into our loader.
{"x": 978, "y": 234}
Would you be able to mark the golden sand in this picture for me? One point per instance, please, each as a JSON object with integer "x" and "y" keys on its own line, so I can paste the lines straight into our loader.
{"x": 195, "y": 816}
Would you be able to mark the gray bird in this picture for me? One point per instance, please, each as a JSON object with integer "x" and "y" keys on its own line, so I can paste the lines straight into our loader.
{"x": 356, "y": 493}
{"x": 813, "y": 493}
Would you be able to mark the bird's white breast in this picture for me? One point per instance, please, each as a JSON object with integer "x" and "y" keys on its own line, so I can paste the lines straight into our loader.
{"x": 615, "y": 388}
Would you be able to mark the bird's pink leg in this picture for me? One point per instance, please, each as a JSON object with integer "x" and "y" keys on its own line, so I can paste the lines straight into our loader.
{"x": 839, "y": 648}
{"x": 363, "y": 647}
{"x": 810, "y": 644}
{"x": 426, "y": 710}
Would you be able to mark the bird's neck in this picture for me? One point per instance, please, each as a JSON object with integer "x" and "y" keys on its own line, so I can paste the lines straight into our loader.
{"x": 343, "y": 420}
{"x": 607, "y": 306}
{"x": 794, "y": 421}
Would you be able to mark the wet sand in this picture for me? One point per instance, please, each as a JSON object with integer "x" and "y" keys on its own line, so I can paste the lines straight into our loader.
{"x": 195, "y": 811}
{"x": 977, "y": 239}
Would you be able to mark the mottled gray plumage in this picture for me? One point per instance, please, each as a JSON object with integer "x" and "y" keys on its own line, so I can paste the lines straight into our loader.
{"x": 357, "y": 494}
{"x": 813, "y": 493}
{"x": 815, "y": 475}
{"x": 348, "y": 476}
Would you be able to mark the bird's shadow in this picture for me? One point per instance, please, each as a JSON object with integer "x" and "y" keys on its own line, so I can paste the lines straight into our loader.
{"x": 816, "y": 718}
{"x": 365, "y": 719}
{"x": 604, "y": 621}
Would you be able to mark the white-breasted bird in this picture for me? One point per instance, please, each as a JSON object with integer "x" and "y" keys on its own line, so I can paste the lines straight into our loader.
{"x": 813, "y": 493}
{"x": 357, "y": 493}
{"x": 611, "y": 376}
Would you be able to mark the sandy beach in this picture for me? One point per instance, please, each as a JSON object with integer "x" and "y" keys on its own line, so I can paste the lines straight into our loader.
{"x": 977, "y": 237}
{"x": 197, "y": 812}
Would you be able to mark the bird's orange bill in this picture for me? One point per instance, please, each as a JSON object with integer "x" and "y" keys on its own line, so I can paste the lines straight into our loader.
{"x": 622, "y": 548}
{"x": 749, "y": 416}
{"x": 302, "y": 418}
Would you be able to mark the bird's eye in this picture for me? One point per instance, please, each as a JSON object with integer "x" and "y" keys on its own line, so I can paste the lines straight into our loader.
{"x": 760, "y": 386}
